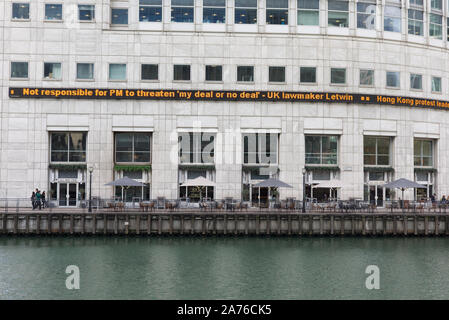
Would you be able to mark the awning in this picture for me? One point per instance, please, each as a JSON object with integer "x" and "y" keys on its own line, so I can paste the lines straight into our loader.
{"x": 334, "y": 184}
{"x": 272, "y": 183}
{"x": 198, "y": 182}
{"x": 403, "y": 184}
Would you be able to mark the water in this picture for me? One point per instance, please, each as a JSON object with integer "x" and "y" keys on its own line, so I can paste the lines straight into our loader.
{"x": 223, "y": 268}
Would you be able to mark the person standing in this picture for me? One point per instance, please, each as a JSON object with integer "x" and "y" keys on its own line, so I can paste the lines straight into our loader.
{"x": 38, "y": 199}
{"x": 33, "y": 200}
{"x": 44, "y": 202}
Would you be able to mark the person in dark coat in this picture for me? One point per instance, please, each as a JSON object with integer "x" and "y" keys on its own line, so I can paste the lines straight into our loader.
{"x": 33, "y": 200}
{"x": 44, "y": 202}
{"x": 38, "y": 199}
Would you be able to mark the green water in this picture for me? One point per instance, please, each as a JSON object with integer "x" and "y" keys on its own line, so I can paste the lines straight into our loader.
{"x": 223, "y": 268}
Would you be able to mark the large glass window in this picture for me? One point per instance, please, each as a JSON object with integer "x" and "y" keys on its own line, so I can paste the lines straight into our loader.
{"x": 277, "y": 12}
{"x": 182, "y": 10}
{"x": 245, "y": 73}
{"x": 119, "y": 16}
{"x": 415, "y": 81}
{"x": 196, "y": 147}
{"x": 338, "y": 76}
{"x": 415, "y": 22}
{"x": 366, "y": 14}
{"x": 308, "y": 12}
{"x": 376, "y": 151}
{"x": 436, "y": 26}
{"x": 416, "y": 3}
{"x": 117, "y": 71}
{"x": 276, "y": 74}
{"x": 245, "y": 11}
{"x": 393, "y": 79}
{"x": 149, "y": 72}
{"x": 52, "y": 71}
{"x": 436, "y": 84}
{"x": 133, "y": 147}
{"x": 86, "y": 12}
{"x": 366, "y": 77}
{"x": 68, "y": 146}
{"x": 19, "y": 70}
{"x": 322, "y": 150}
{"x": 307, "y": 74}
{"x": 53, "y": 11}
{"x": 150, "y": 10}
{"x": 214, "y": 11}
{"x": 260, "y": 148}
{"x": 85, "y": 71}
{"x": 214, "y": 73}
{"x": 436, "y": 4}
{"x": 423, "y": 153}
{"x": 392, "y": 18}
{"x": 181, "y": 72}
{"x": 21, "y": 11}
{"x": 338, "y": 13}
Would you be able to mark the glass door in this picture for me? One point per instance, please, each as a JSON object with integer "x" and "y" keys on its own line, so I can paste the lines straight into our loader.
{"x": 72, "y": 195}
{"x": 62, "y": 194}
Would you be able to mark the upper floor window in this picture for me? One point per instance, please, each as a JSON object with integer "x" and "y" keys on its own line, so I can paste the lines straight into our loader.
{"x": 53, "y": 12}
{"x": 182, "y": 10}
{"x": 132, "y": 147}
{"x": 276, "y": 74}
{"x": 322, "y": 150}
{"x": 19, "y": 70}
{"x": 195, "y": 147}
{"x": 415, "y": 22}
{"x": 117, "y": 71}
{"x": 393, "y": 79}
{"x": 245, "y": 73}
{"x": 277, "y": 12}
{"x": 86, "y": 12}
{"x": 436, "y": 4}
{"x": 245, "y": 12}
{"x": 423, "y": 153}
{"x": 376, "y": 151}
{"x": 366, "y": 77}
{"x": 214, "y": 11}
{"x": 366, "y": 14}
{"x": 214, "y": 73}
{"x": 260, "y": 148}
{"x": 338, "y": 75}
{"x": 150, "y": 72}
{"x": 181, "y": 72}
{"x": 307, "y": 74}
{"x": 21, "y": 11}
{"x": 338, "y": 13}
{"x": 52, "y": 71}
{"x": 119, "y": 16}
{"x": 416, "y": 3}
{"x": 436, "y": 26}
{"x": 415, "y": 81}
{"x": 308, "y": 12}
{"x": 68, "y": 146}
{"x": 392, "y": 18}
{"x": 436, "y": 84}
{"x": 150, "y": 10}
{"x": 85, "y": 71}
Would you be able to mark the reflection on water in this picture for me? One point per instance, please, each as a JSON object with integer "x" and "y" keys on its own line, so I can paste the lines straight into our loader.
{"x": 223, "y": 268}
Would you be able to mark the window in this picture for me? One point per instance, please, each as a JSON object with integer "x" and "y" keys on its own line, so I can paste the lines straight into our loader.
{"x": 307, "y": 74}
{"x": 21, "y": 11}
{"x": 260, "y": 148}
{"x": 376, "y": 151}
{"x": 393, "y": 79}
{"x": 322, "y": 150}
{"x": 392, "y": 18}
{"x": 436, "y": 26}
{"x": 415, "y": 81}
{"x": 436, "y": 4}
{"x": 196, "y": 147}
{"x": 214, "y": 73}
{"x": 119, "y": 16}
{"x": 416, "y": 3}
{"x": 68, "y": 146}
{"x": 117, "y": 71}
{"x": 132, "y": 147}
{"x": 245, "y": 11}
{"x": 366, "y": 77}
{"x": 214, "y": 11}
{"x": 338, "y": 76}
{"x": 150, "y": 10}
{"x": 308, "y": 12}
{"x": 276, "y": 74}
{"x": 436, "y": 84}
{"x": 85, "y": 71}
{"x": 245, "y": 73}
{"x": 338, "y": 13}
{"x": 415, "y": 22}
{"x": 366, "y": 15}
{"x": 150, "y": 72}
{"x": 423, "y": 153}
{"x": 181, "y": 72}
{"x": 277, "y": 12}
{"x": 53, "y": 12}
{"x": 86, "y": 12}
{"x": 19, "y": 70}
{"x": 182, "y": 10}
{"x": 52, "y": 71}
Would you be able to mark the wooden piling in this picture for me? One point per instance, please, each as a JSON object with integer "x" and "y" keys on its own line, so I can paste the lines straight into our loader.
{"x": 38, "y": 224}
{"x": 27, "y": 223}
{"x": 159, "y": 224}
{"x": 148, "y": 224}
{"x": 352, "y": 225}
{"x": 279, "y": 224}
{"x": 342, "y": 225}
{"x": 363, "y": 225}
{"x": 61, "y": 226}
{"x": 115, "y": 224}
{"x": 170, "y": 226}
{"x": 299, "y": 224}
{"x": 374, "y": 228}
{"x": 105, "y": 223}
{"x": 289, "y": 224}
{"x": 83, "y": 223}
{"x": 437, "y": 231}
{"x": 137, "y": 223}
{"x": 49, "y": 217}
{"x": 426, "y": 225}
{"x": 225, "y": 223}
{"x": 268, "y": 226}
{"x": 321, "y": 225}
{"x": 405, "y": 224}
{"x": 332, "y": 225}
{"x": 310, "y": 225}
{"x": 446, "y": 228}
{"x": 415, "y": 225}
{"x": 236, "y": 224}
{"x": 203, "y": 225}
{"x": 16, "y": 223}
{"x": 181, "y": 219}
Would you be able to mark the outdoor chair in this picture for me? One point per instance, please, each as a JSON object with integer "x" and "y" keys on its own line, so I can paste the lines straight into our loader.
{"x": 120, "y": 206}
{"x": 220, "y": 206}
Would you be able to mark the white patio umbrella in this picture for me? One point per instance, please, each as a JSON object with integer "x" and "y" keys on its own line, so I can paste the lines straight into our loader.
{"x": 125, "y": 182}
